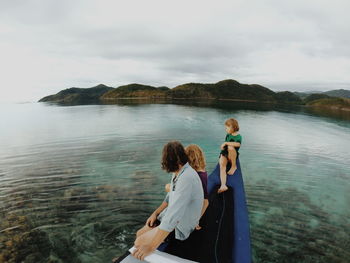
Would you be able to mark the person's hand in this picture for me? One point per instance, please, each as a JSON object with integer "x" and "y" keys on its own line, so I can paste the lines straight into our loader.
{"x": 167, "y": 188}
{"x": 142, "y": 250}
{"x": 223, "y": 146}
{"x": 222, "y": 188}
{"x": 150, "y": 221}
{"x": 198, "y": 227}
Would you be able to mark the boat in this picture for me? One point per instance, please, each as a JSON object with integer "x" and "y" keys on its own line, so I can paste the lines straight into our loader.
{"x": 227, "y": 218}
{"x": 241, "y": 246}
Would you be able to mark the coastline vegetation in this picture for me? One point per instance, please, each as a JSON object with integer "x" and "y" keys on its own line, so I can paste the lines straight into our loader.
{"x": 332, "y": 103}
{"x": 223, "y": 90}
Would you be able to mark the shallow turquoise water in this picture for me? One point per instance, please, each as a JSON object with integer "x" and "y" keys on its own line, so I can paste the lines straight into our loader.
{"x": 77, "y": 181}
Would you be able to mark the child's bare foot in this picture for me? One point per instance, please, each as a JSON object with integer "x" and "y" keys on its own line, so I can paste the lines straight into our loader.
{"x": 222, "y": 188}
{"x": 232, "y": 170}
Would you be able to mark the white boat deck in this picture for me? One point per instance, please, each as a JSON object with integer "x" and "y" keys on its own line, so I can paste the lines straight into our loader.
{"x": 156, "y": 257}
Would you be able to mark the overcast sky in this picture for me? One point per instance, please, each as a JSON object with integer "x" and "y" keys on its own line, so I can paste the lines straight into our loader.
{"x": 47, "y": 46}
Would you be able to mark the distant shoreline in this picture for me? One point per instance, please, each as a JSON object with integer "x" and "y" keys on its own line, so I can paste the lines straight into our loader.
{"x": 203, "y": 99}
{"x": 328, "y": 107}
{"x": 225, "y": 90}
{"x": 169, "y": 99}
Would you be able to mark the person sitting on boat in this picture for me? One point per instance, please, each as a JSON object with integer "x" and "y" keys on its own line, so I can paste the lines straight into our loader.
{"x": 184, "y": 208}
{"x": 229, "y": 151}
{"x": 196, "y": 159}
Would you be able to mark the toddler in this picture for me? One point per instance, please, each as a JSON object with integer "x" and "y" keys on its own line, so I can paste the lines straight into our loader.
{"x": 229, "y": 151}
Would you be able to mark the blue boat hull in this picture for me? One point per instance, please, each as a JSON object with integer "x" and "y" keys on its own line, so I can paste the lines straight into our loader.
{"x": 241, "y": 247}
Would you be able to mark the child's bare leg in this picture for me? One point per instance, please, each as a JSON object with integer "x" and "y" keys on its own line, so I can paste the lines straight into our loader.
{"x": 223, "y": 164}
{"x": 232, "y": 156}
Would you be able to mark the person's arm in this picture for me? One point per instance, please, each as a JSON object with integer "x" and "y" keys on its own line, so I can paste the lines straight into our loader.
{"x": 153, "y": 217}
{"x": 160, "y": 208}
{"x": 234, "y": 144}
{"x": 159, "y": 238}
{"x": 144, "y": 249}
{"x": 204, "y": 180}
{"x": 222, "y": 146}
{"x": 205, "y": 206}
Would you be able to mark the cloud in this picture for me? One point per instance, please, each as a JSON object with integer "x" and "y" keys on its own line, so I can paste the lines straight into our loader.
{"x": 46, "y": 46}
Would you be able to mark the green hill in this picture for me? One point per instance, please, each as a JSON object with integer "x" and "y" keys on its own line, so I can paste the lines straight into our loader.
{"x": 78, "y": 95}
{"x": 331, "y": 103}
{"x": 223, "y": 90}
{"x": 135, "y": 91}
{"x": 228, "y": 89}
{"x": 338, "y": 93}
{"x": 342, "y": 93}
{"x": 316, "y": 96}
{"x": 287, "y": 97}
{"x": 302, "y": 95}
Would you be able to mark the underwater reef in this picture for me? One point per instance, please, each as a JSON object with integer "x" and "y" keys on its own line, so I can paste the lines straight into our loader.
{"x": 19, "y": 242}
{"x": 77, "y": 224}
{"x": 287, "y": 227}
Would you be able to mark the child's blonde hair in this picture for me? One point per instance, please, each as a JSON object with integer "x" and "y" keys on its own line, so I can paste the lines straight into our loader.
{"x": 233, "y": 124}
{"x": 195, "y": 157}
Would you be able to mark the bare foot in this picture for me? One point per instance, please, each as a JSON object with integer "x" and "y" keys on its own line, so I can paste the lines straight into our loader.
{"x": 232, "y": 170}
{"x": 222, "y": 188}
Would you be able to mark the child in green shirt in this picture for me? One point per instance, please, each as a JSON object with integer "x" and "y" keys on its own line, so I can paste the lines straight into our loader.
{"x": 229, "y": 151}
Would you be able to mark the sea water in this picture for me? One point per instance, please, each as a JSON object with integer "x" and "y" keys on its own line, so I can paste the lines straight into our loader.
{"x": 76, "y": 182}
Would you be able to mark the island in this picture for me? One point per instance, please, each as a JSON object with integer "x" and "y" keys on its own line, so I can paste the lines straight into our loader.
{"x": 228, "y": 90}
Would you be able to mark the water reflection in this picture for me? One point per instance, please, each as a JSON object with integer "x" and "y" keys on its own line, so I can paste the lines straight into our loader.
{"x": 329, "y": 113}
{"x": 239, "y": 105}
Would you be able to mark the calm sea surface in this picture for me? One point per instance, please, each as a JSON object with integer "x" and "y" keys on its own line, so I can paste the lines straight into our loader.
{"x": 77, "y": 181}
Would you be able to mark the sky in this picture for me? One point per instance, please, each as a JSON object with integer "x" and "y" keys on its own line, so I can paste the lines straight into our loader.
{"x": 47, "y": 46}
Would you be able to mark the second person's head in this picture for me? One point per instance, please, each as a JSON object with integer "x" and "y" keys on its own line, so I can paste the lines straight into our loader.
{"x": 195, "y": 157}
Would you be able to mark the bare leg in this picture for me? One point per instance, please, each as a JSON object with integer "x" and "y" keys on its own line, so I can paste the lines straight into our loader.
{"x": 232, "y": 156}
{"x": 223, "y": 163}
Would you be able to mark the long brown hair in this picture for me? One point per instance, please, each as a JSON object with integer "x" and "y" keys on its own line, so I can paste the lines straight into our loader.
{"x": 195, "y": 157}
{"x": 173, "y": 156}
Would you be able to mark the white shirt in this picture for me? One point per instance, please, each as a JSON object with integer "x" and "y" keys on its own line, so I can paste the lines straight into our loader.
{"x": 185, "y": 203}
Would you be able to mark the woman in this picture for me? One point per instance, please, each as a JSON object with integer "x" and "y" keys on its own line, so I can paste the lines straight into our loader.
{"x": 185, "y": 203}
